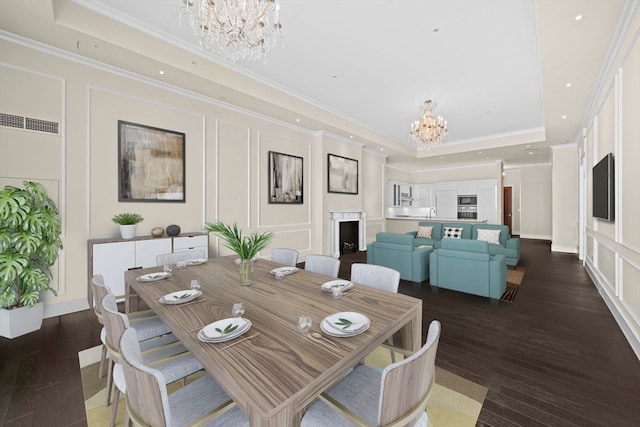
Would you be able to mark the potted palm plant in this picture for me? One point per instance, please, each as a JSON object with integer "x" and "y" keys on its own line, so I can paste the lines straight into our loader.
{"x": 247, "y": 247}
{"x": 30, "y": 231}
{"x": 128, "y": 223}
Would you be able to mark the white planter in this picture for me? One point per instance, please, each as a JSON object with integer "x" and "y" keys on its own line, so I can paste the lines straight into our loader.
{"x": 20, "y": 321}
{"x": 128, "y": 231}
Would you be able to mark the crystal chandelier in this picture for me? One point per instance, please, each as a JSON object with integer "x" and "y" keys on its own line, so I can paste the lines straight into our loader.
{"x": 235, "y": 29}
{"x": 429, "y": 130}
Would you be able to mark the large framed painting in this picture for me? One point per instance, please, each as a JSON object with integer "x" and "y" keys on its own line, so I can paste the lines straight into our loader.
{"x": 151, "y": 164}
{"x": 343, "y": 174}
{"x": 285, "y": 178}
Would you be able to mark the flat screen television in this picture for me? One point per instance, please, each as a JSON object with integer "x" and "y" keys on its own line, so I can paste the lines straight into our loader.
{"x": 603, "y": 189}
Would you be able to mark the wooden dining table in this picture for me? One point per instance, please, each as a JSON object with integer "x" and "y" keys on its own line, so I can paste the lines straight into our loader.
{"x": 273, "y": 371}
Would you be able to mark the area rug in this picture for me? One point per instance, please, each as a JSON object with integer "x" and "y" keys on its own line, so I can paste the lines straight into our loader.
{"x": 454, "y": 402}
{"x": 514, "y": 279}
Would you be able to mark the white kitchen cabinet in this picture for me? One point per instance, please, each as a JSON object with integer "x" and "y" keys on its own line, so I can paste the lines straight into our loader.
{"x": 112, "y": 257}
{"x": 399, "y": 194}
{"x": 425, "y": 195}
{"x": 446, "y": 202}
{"x": 488, "y": 200}
{"x": 467, "y": 188}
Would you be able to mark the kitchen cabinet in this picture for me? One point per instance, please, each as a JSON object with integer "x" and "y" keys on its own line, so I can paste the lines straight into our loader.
{"x": 447, "y": 200}
{"x": 488, "y": 200}
{"x": 399, "y": 194}
{"x": 112, "y": 257}
{"x": 467, "y": 188}
{"x": 425, "y": 195}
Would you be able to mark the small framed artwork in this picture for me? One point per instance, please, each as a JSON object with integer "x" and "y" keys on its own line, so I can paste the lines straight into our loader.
{"x": 151, "y": 164}
{"x": 285, "y": 178}
{"x": 343, "y": 174}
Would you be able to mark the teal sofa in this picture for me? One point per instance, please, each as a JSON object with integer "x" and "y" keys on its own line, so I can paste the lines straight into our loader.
{"x": 507, "y": 245}
{"x": 399, "y": 251}
{"x": 466, "y": 265}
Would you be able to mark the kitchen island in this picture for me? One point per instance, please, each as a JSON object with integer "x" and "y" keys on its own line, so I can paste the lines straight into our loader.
{"x": 404, "y": 224}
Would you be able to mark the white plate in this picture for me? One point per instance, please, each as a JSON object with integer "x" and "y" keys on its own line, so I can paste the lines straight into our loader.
{"x": 344, "y": 284}
{"x": 197, "y": 261}
{"x": 180, "y": 297}
{"x": 210, "y": 334}
{"x": 152, "y": 277}
{"x": 285, "y": 270}
{"x": 331, "y": 325}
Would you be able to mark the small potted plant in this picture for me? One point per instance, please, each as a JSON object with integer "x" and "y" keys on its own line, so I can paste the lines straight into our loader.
{"x": 30, "y": 241}
{"x": 247, "y": 247}
{"x": 128, "y": 223}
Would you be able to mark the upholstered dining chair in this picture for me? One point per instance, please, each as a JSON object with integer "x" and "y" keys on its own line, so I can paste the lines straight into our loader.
{"x": 323, "y": 264}
{"x": 171, "y": 358}
{"x": 173, "y": 257}
{"x": 285, "y": 256}
{"x": 377, "y": 276}
{"x": 99, "y": 291}
{"x": 201, "y": 402}
{"x": 396, "y": 396}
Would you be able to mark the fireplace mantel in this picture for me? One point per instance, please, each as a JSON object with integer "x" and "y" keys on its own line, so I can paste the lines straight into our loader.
{"x": 335, "y": 218}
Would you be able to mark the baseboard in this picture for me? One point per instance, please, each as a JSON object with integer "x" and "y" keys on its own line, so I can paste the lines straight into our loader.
{"x": 59, "y": 309}
{"x": 567, "y": 249}
{"x": 535, "y": 236}
{"x": 621, "y": 319}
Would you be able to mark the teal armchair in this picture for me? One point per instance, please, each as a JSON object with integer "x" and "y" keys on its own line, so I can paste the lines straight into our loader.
{"x": 399, "y": 252}
{"x": 506, "y": 245}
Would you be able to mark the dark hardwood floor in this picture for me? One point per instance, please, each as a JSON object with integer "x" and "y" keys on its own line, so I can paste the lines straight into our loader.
{"x": 554, "y": 357}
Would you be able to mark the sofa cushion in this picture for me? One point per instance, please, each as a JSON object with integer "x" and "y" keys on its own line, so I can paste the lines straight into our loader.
{"x": 491, "y": 236}
{"x": 465, "y": 245}
{"x": 455, "y": 233}
{"x": 424, "y": 232}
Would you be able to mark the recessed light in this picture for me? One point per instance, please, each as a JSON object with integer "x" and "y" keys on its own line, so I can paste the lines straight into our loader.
{"x": 297, "y": 120}
{"x": 435, "y": 30}
{"x": 479, "y": 152}
{"x": 578, "y": 17}
{"x": 564, "y": 116}
{"x": 530, "y": 152}
{"x": 161, "y": 72}
{"x": 351, "y": 136}
{"x": 569, "y": 84}
{"x": 382, "y": 149}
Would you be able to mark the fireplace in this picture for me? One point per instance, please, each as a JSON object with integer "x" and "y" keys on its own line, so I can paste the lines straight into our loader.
{"x": 347, "y": 227}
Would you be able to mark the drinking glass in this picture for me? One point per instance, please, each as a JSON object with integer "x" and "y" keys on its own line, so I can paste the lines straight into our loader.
{"x": 337, "y": 292}
{"x": 304, "y": 323}
{"x": 166, "y": 268}
{"x": 238, "y": 309}
{"x": 195, "y": 284}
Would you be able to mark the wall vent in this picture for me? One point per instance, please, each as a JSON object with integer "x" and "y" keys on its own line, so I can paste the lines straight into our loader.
{"x": 28, "y": 123}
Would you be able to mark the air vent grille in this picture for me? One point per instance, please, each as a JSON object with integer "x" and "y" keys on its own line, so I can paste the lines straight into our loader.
{"x": 28, "y": 123}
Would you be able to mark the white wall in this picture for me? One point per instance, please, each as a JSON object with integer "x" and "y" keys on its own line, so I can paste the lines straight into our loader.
{"x": 564, "y": 198}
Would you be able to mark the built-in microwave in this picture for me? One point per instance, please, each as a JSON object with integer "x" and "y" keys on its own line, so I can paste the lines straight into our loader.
{"x": 471, "y": 200}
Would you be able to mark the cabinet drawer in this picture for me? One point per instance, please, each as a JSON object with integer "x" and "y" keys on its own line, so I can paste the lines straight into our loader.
{"x": 190, "y": 242}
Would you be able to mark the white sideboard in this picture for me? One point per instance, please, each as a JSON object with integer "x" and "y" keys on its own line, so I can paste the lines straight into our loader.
{"x": 112, "y": 257}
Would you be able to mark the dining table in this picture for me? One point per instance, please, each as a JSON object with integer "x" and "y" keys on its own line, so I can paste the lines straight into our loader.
{"x": 274, "y": 371}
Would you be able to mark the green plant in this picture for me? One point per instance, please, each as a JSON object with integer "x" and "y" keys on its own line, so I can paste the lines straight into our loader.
{"x": 127, "y": 218}
{"x": 30, "y": 231}
{"x": 247, "y": 247}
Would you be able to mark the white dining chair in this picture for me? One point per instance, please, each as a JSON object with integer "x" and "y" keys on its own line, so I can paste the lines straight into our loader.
{"x": 380, "y": 277}
{"x": 173, "y": 257}
{"x": 323, "y": 264}
{"x": 171, "y": 357}
{"x": 99, "y": 291}
{"x": 396, "y": 396}
{"x": 201, "y": 402}
{"x": 285, "y": 256}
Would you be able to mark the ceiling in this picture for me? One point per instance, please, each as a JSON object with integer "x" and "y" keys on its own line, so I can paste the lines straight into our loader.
{"x": 498, "y": 69}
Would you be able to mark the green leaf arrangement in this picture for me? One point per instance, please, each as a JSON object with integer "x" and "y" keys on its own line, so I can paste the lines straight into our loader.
{"x": 246, "y": 246}
{"x": 127, "y": 218}
{"x": 230, "y": 328}
{"x": 30, "y": 241}
{"x": 345, "y": 323}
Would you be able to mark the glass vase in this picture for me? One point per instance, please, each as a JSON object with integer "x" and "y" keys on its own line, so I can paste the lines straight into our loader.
{"x": 246, "y": 272}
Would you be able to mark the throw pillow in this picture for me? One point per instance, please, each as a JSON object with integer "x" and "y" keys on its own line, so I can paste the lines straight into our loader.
{"x": 491, "y": 236}
{"x": 452, "y": 232}
{"x": 424, "y": 232}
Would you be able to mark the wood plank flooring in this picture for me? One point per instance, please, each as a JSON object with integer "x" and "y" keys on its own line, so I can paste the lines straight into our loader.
{"x": 554, "y": 357}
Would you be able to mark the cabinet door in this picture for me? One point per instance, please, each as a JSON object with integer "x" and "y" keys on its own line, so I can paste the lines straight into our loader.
{"x": 447, "y": 204}
{"x": 185, "y": 243}
{"x": 148, "y": 250}
{"x": 112, "y": 260}
{"x": 488, "y": 201}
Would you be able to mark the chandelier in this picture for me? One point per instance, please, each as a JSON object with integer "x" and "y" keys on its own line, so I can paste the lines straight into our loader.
{"x": 235, "y": 29}
{"x": 429, "y": 130}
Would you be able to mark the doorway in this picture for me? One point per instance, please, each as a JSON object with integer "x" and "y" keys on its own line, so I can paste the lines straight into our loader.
{"x": 507, "y": 208}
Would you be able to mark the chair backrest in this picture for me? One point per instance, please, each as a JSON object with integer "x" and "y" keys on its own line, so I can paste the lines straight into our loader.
{"x": 147, "y": 398}
{"x": 323, "y": 264}
{"x": 99, "y": 290}
{"x": 405, "y": 385}
{"x": 174, "y": 257}
{"x": 376, "y": 276}
{"x": 285, "y": 256}
{"x": 115, "y": 324}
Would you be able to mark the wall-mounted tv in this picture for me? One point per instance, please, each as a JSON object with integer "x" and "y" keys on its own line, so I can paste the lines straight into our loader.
{"x": 603, "y": 189}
